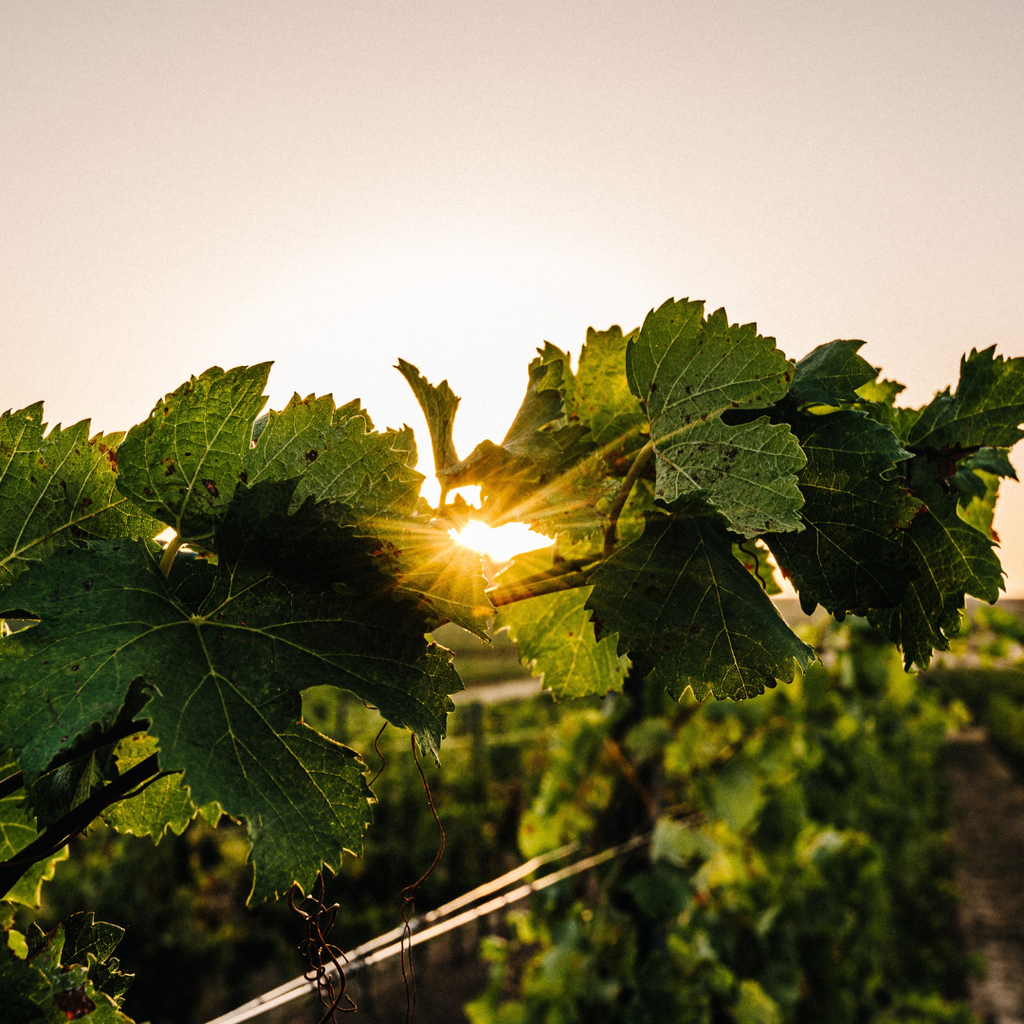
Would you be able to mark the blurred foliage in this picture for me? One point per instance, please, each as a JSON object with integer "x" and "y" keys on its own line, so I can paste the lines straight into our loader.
{"x": 197, "y": 951}
{"x": 991, "y": 684}
{"x": 799, "y": 869}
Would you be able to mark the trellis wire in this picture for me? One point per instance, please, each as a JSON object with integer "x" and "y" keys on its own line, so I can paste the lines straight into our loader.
{"x": 385, "y": 946}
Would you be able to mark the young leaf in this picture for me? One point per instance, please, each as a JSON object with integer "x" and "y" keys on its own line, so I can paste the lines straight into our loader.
{"x": 515, "y": 477}
{"x": 162, "y": 805}
{"x": 986, "y": 410}
{"x": 687, "y": 372}
{"x": 831, "y": 374}
{"x": 556, "y": 638}
{"x": 182, "y": 465}
{"x": 850, "y": 557}
{"x": 439, "y": 405}
{"x": 57, "y": 486}
{"x": 598, "y": 397}
{"x": 690, "y": 615}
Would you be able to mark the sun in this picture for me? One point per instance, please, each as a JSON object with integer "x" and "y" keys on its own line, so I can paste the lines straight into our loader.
{"x": 499, "y": 543}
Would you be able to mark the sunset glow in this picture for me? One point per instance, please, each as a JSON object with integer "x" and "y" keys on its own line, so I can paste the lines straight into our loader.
{"x": 500, "y": 543}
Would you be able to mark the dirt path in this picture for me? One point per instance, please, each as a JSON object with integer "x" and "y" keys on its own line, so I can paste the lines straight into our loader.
{"x": 988, "y": 830}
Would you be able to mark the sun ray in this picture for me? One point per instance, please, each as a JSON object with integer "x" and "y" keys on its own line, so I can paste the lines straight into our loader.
{"x": 500, "y": 543}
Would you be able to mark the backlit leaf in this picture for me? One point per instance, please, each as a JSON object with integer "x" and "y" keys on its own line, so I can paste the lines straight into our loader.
{"x": 182, "y": 465}
{"x": 688, "y": 372}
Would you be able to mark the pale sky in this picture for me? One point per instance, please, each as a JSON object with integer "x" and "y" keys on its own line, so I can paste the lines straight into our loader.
{"x": 333, "y": 185}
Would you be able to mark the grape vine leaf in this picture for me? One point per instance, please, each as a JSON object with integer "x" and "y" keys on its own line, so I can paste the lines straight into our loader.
{"x": 850, "y": 557}
{"x": 950, "y": 558}
{"x": 986, "y": 410}
{"x": 831, "y": 374}
{"x": 298, "y": 631}
{"x": 688, "y": 372}
{"x": 183, "y": 463}
{"x": 598, "y": 395}
{"x": 336, "y": 455}
{"x": 57, "y": 487}
{"x": 68, "y": 974}
{"x": 162, "y": 805}
{"x": 226, "y": 649}
{"x": 555, "y": 635}
{"x": 439, "y": 405}
{"x": 690, "y": 615}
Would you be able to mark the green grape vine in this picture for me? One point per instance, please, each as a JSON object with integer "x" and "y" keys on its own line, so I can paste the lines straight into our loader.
{"x": 147, "y": 683}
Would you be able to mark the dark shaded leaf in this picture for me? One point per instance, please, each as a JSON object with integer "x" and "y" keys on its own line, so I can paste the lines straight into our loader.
{"x": 690, "y": 615}
{"x": 850, "y": 557}
{"x": 831, "y": 374}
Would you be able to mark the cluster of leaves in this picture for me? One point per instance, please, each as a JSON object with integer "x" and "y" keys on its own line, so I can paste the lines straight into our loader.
{"x": 146, "y": 682}
{"x": 63, "y": 975}
{"x": 798, "y": 868}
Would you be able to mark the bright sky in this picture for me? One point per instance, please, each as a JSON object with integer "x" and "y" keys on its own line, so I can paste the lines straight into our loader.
{"x": 334, "y": 184}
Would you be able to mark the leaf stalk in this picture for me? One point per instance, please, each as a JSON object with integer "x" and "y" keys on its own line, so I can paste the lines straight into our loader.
{"x": 639, "y": 464}
{"x": 169, "y": 552}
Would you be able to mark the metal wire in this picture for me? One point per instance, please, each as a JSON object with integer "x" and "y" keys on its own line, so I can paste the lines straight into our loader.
{"x": 385, "y": 946}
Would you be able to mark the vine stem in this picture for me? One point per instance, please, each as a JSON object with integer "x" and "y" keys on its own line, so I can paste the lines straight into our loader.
{"x": 12, "y": 869}
{"x": 639, "y": 463}
{"x": 169, "y": 552}
{"x": 12, "y": 783}
{"x": 512, "y": 592}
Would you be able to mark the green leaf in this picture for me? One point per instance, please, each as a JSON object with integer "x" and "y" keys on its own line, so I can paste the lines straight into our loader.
{"x": 240, "y": 620}
{"x": 226, "y": 648}
{"x": 58, "y": 486}
{"x": 162, "y": 805}
{"x": 182, "y": 465}
{"x": 17, "y": 830}
{"x": 556, "y": 638}
{"x": 950, "y": 558}
{"x": 226, "y": 702}
{"x": 439, "y": 405}
{"x": 690, "y": 615}
{"x": 66, "y": 976}
{"x": 831, "y": 374}
{"x": 687, "y": 372}
{"x": 850, "y": 557}
{"x": 987, "y": 409}
{"x": 598, "y": 397}
{"x": 336, "y": 456}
